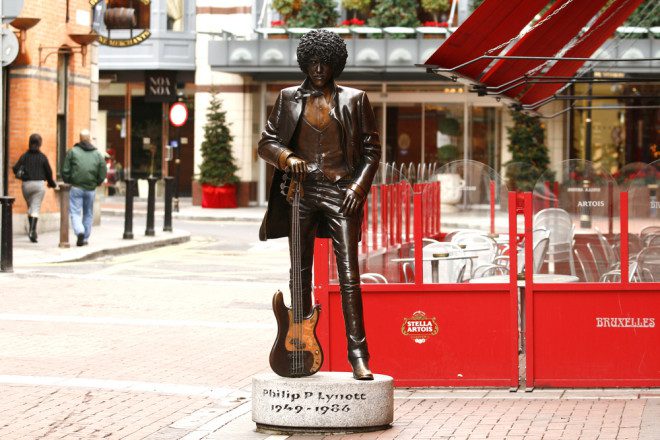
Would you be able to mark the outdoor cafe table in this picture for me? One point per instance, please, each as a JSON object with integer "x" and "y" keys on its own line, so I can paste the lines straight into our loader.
{"x": 435, "y": 277}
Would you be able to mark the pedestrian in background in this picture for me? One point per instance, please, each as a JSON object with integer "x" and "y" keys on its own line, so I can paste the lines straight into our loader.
{"x": 33, "y": 169}
{"x": 84, "y": 168}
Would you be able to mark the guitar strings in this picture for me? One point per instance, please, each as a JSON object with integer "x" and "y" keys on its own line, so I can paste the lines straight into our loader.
{"x": 297, "y": 283}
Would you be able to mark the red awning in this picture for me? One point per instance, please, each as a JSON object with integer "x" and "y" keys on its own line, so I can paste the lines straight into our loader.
{"x": 597, "y": 34}
{"x": 491, "y": 24}
{"x": 564, "y": 20}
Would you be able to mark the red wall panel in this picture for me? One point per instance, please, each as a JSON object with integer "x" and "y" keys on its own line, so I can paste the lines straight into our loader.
{"x": 472, "y": 347}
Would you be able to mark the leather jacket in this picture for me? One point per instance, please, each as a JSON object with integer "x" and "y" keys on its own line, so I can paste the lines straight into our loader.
{"x": 360, "y": 145}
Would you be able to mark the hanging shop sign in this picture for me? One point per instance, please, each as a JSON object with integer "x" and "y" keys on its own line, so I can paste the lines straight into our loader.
{"x": 178, "y": 114}
{"x": 419, "y": 327}
{"x": 160, "y": 86}
{"x": 121, "y": 15}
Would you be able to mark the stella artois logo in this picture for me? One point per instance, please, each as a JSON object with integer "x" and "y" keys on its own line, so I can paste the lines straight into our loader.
{"x": 419, "y": 327}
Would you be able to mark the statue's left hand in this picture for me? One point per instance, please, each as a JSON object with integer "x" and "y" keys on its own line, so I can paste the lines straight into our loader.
{"x": 351, "y": 203}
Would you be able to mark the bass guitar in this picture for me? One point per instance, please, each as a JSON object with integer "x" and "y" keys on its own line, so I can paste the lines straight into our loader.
{"x": 296, "y": 351}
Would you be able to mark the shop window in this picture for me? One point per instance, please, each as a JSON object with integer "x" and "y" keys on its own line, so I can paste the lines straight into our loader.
{"x": 485, "y": 136}
{"x": 403, "y": 141}
{"x": 443, "y": 132}
{"x": 175, "y": 15}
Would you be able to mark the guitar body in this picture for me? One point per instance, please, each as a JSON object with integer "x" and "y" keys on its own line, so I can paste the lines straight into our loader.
{"x": 295, "y": 339}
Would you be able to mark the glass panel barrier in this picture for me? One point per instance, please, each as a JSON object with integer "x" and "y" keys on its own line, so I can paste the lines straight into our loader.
{"x": 465, "y": 224}
{"x": 642, "y": 181}
{"x": 576, "y": 224}
{"x": 385, "y": 249}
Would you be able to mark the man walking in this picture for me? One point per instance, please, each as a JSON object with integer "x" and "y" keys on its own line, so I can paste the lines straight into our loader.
{"x": 84, "y": 168}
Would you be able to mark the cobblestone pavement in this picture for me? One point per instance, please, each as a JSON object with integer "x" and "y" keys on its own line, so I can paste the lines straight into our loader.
{"x": 117, "y": 349}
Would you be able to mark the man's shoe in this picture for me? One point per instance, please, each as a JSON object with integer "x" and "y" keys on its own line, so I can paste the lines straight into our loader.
{"x": 361, "y": 369}
{"x": 81, "y": 239}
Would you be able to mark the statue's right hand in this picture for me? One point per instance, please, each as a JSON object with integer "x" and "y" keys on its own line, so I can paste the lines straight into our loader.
{"x": 296, "y": 167}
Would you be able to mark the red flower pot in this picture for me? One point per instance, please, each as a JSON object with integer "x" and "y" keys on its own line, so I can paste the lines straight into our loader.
{"x": 219, "y": 196}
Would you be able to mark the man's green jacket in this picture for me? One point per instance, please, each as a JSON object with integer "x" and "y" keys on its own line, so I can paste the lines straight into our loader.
{"x": 84, "y": 166}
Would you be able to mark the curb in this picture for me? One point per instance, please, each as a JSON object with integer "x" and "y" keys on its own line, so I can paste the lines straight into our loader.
{"x": 139, "y": 247}
{"x": 183, "y": 216}
{"x": 80, "y": 254}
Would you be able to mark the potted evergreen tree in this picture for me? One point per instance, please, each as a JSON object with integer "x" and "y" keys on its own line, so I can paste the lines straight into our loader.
{"x": 529, "y": 154}
{"x": 218, "y": 169}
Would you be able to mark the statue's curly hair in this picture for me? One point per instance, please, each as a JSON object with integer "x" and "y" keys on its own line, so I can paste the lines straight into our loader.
{"x": 325, "y": 45}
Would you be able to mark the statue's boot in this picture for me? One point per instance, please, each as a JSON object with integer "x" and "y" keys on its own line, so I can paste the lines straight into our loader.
{"x": 358, "y": 353}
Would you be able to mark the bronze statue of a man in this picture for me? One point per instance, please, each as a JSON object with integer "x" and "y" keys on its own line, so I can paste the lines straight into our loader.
{"x": 324, "y": 135}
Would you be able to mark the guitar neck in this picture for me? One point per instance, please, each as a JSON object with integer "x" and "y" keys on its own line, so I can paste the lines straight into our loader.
{"x": 296, "y": 263}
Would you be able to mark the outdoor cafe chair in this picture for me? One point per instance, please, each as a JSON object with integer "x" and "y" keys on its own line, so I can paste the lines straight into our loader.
{"x": 487, "y": 270}
{"x": 539, "y": 250}
{"x": 408, "y": 269}
{"x": 648, "y": 233}
{"x": 561, "y": 228}
{"x": 582, "y": 264}
{"x": 649, "y": 264}
{"x": 614, "y": 276}
{"x": 372, "y": 277}
{"x": 653, "y": 240}
{"x": 598, "y": 259}
{"x": 635, "y": 245}
{"x": 487, "y": 248}
{"x": 608, "y": 250}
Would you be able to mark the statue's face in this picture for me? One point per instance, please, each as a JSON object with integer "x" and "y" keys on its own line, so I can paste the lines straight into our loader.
{"x": 319, "y": 73}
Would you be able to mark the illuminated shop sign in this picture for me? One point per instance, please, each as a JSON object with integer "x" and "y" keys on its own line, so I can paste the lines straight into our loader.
{"x": 111, "y": 15}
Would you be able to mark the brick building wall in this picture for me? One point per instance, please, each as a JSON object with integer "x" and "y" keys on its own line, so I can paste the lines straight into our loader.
{"x": 32, "y": 89}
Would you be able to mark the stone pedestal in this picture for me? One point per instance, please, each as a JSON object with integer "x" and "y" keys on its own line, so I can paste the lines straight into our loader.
{"x": 322, "y": 403}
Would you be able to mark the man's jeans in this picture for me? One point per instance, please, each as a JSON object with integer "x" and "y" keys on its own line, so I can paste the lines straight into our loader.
{"x": 81, "y": 210}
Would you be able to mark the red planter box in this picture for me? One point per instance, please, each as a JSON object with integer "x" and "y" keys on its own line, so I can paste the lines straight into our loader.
{"x": 219, "y": 196}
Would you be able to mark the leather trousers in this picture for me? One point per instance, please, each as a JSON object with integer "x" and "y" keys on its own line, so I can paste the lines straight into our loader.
{"x": 321, "y": 202}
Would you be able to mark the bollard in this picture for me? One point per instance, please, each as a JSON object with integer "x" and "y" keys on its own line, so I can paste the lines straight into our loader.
{"x": 151, "y": 206}
{"x": 128, "y": 209}
{"x": 6, "y": 244}
{"x": 169, "y": 192}
{"x": 63, "y": 193}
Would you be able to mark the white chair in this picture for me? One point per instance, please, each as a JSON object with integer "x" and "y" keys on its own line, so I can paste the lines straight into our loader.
{"x": 372, "y": 277}
{"x": 560, "y": 226}
{"x": 610, "y": 256}
{"x": 586, "y": 273}
{"x": 614, "y": 276}
{"x": 649, "y": 264}
{"x": 476, "y": 240}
